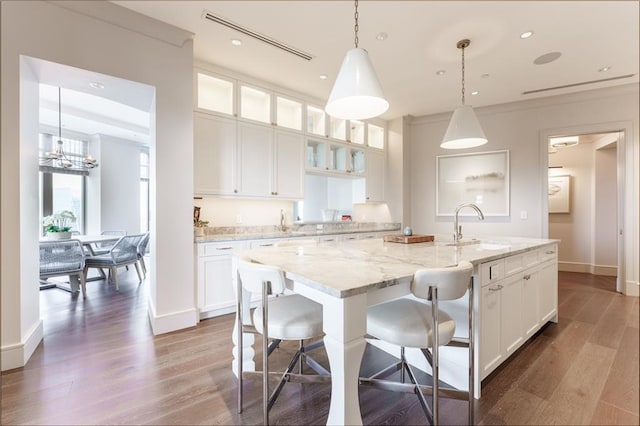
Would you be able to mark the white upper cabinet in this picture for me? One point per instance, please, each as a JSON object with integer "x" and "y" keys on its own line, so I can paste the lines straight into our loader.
{"x": 316, "y": 121}
{"x": 288, "y": 113}
{"x": 215, "y": 94}
{"x": 214, "y": 155}
{"x": 375, "y": 136}
{"x": 356, "y": 132}
{"x": 255, "y": 104}
{"x": 256, "y": 142}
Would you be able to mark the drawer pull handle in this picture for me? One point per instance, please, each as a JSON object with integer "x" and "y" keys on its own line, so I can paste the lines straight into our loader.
{"x": 527, "y": 277}
{"x": 550, "y": 252}
{"x": 224, "y": 248}
{"x": 496, "y": 288}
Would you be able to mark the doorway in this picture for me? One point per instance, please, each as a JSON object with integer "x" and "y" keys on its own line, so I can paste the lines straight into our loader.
{"x": 584, "y": 202}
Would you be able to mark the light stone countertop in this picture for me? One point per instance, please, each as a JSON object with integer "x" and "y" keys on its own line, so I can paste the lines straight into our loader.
{"x": 347, "y": 268}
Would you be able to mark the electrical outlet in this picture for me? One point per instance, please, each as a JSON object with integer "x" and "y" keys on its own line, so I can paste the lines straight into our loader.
{"x": 319, "y": 227}
{"x": 523, "y": 215}
{"x": 238, "y": 218}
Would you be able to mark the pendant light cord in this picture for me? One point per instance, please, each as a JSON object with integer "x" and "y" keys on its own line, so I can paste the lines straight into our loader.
{"x": 355, "y": 28}
{"x": 59, "y": 115}
{"x": 462, "y": 75}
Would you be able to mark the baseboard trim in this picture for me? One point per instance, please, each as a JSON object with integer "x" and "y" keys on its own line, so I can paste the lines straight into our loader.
{"x": 632, "y": 289}
{"x": 173, "y": 321}
{"x": 17, "y": 355}
{"x": 586, "y": 268}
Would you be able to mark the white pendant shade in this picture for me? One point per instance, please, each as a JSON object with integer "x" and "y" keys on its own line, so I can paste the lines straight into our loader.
{"x": 464, "y": 130}
{"x": 356, "y": 93}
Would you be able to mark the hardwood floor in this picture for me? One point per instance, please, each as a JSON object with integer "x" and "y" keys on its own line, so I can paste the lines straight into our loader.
{"x": 100, "y": 364}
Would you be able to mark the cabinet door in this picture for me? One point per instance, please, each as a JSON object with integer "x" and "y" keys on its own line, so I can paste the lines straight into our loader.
{"x": 289, "y": 165}
{"x": 255, "y": 155}
{"x": 214, "y": 155}
{"x": 216, "y": 295}
{"x": 490, "y": 327}
{"x": 511, "y": 304}
{"x": 530, "y": 302}
{"x": 548, "y": 292}
{"x": 375, "y": 175}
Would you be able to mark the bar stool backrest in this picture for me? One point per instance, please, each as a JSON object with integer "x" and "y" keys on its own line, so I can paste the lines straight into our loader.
{"x": 452, "y": 283}
{"x": 253, "y": 275}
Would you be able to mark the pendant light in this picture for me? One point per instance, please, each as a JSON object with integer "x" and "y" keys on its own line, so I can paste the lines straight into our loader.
{"x": 58, "y": 158}
{"x": 464, "y": 130}
{"x": 356, "y": 93}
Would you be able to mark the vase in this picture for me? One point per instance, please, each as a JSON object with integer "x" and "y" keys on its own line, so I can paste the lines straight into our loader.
{"x": 59, "y": 235}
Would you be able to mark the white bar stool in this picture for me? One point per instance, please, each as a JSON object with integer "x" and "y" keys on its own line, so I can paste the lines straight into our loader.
{"x": 415, "y": 324}
{"x": 282, "y": 317}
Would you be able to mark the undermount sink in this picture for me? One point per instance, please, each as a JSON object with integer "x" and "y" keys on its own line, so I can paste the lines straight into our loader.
{"x": 481, "y": 245}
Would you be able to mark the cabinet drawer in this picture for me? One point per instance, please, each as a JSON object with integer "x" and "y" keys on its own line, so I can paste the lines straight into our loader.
{"x": 530, "y": 258}
{"x": 219, "y": 249}
{"x": 512, "y": 264}
{"x": 264, "y": 243}
{"x": 491, "y": 271}
{"x": 548, "y": 253}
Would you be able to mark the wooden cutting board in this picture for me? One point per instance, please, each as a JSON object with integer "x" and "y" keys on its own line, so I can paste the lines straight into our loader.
{"x": 408, "y": 239}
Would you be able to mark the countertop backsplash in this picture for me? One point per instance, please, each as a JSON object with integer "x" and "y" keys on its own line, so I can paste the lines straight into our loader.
{"x": 213, "y": 233}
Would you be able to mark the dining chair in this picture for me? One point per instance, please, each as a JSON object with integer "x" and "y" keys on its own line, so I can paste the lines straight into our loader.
{"x": 142, "y": 250}
{"x": 123, "y": 253}
{"x": 279, "y": 317}
{"x": 104, "y": 247}
{"x": 410, "y": 323}
{"x": 64, "y": 257}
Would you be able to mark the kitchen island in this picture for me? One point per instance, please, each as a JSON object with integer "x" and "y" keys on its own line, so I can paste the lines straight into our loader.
{"x": 514, "y": 295}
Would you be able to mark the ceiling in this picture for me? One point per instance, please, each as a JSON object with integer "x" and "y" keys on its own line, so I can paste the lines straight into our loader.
{"x": 421, "y": 40}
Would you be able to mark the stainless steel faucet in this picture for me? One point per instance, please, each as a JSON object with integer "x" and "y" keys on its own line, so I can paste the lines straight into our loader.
{"x": 457, "y": 229}
{"x": 283, "y": 226}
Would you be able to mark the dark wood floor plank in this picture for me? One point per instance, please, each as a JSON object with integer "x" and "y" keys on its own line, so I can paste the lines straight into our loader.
{"x": 555, "y": 361}
{"x": 621, "y": 388}
{"x": 608, "y": 333}
{"x": 607, "y": 414}
{"x": 574, "y": 400}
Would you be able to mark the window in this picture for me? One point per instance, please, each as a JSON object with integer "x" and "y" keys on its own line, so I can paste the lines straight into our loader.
{"x": 144, "y": 191}
{"x": 61, "y": 191}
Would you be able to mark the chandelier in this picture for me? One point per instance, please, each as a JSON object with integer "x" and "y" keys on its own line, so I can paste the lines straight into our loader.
{"x": 58, "y": 158}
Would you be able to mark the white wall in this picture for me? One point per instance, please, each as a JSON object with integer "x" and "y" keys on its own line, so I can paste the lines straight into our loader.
{"x": 120, "y": 185}
{"x": 520, "y": 127}
{"x": 80, "y": 34}
{"x": 224, "y": 211}
{"x": 605, "y": 233}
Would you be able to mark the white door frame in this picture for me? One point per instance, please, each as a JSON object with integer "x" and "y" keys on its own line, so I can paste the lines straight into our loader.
{"x": 625, "y": 128}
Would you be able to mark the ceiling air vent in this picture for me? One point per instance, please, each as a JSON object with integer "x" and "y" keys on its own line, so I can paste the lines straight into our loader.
{"x": 244, "y": 30}
{"x": 528, "y": 92}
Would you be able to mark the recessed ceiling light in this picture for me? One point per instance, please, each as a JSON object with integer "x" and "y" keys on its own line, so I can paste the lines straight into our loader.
{"x": 382, "y": 36}
{"x": 475, "y": 92}
{"x": 323, "y": 76}
{"x": 484, "y": 76}
{"x": 440, "y": 72}
{"x": 236, "y": 42}
{"x": 604, "y": 69}
{"x": 526, "y": 34}
{"x": 96, "y": 85}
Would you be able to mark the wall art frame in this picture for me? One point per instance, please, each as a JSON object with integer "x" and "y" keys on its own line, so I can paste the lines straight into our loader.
{"x": 482, "y": 178}
{"x": 559, "y": 194}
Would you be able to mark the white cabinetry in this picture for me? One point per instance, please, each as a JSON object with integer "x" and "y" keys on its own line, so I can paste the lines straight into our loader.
{"x": 255, "y": 159}
{"x": 214, "y": 155}
{"x": 288, "y": 165}
{"x": 215, "y": 279}
{"x": 518, "y": 296}
{"x": 375, "y": 175}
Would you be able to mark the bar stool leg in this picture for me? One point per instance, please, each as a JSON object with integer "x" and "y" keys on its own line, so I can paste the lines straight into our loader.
{"x": 435, "y": 352}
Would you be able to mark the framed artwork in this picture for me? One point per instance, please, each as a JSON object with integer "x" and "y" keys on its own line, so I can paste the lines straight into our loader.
{"x": 481, "y": 178}
{"x": 560, "y": 194}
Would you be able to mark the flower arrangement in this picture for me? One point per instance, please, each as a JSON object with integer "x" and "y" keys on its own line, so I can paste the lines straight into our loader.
{"x": 59, "y": 222}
